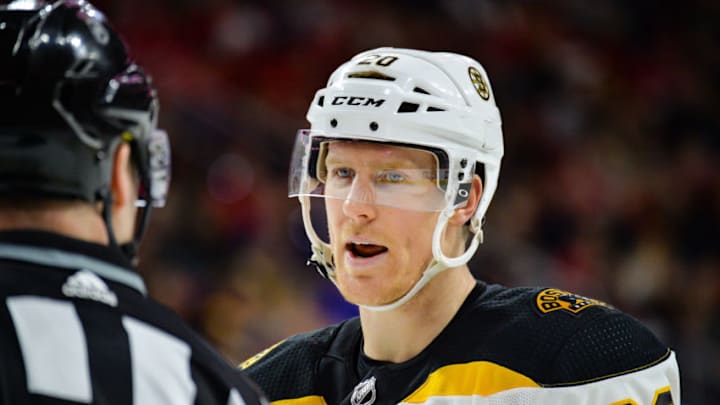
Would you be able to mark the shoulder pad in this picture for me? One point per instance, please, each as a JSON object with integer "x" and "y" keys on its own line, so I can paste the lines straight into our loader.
{"x": 612, "y": 345}
{"x": 560, "y": 338}
{"x": 286, "y": 369}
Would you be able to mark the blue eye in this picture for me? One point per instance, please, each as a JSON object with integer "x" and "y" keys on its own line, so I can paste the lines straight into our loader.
{"x": 391, "y": 177}
{"x": 343, "y": 173}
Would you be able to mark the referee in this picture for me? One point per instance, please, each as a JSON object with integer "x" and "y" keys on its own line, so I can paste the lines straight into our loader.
{"x": 79, "y": 151}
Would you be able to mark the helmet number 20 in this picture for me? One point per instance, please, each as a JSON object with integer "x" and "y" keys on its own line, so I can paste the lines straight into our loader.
{"x": 380, "y": 60}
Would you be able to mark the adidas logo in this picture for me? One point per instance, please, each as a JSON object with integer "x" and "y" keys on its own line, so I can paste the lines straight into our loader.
{"x": 86, "y": 284}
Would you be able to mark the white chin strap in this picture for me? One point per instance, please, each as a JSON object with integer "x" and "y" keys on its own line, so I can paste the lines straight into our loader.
{"x": 439, "y": 263}
{"x": 322, "y": 254}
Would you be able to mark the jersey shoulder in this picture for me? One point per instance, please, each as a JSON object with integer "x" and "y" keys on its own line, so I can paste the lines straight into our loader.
{"x": 288, "y": 368}
{"x": 560, "y": 338}
{"x": 207, "y": 363}
{"x": 118, "y": 332}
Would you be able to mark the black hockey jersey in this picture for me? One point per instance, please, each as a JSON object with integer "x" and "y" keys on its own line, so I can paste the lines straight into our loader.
{"x": 78, "y": 328}
{"x": 523, "y": 346}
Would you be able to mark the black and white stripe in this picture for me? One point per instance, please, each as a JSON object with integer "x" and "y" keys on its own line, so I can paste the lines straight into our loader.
{"x": 54, "y": 348}
{"x": 82, "y": 349}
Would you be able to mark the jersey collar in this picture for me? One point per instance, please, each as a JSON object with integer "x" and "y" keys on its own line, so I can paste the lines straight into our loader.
{"x": 54, "y": 250}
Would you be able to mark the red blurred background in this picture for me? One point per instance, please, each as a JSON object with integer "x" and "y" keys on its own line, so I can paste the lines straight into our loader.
{"x": 610, "y": 186}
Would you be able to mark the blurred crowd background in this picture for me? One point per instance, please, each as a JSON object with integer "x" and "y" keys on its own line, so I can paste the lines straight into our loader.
{"x": 610, "y": 186}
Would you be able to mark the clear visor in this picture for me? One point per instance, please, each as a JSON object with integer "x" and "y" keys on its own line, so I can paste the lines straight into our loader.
{"x": 159, "y": 171}
{"x": 367, "y": 172}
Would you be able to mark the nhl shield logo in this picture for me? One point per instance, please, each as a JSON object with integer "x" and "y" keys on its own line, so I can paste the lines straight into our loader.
{"x": 364, "y": 393}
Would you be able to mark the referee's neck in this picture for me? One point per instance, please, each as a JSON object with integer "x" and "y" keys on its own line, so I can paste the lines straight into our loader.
{"x": 77, "y": 220}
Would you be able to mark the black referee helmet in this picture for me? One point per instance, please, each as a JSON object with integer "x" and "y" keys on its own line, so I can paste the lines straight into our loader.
{"x": 69, "y": 95}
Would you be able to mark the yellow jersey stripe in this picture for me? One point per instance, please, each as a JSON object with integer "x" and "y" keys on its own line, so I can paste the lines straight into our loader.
{"x": 474, "y": 378}
{"x": 252, "y": 360}
{"x": 309, "y": 400}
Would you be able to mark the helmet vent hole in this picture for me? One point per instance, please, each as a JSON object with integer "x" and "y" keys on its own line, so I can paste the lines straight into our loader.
{"x": 371, "y": 74}
{"x": 421, "y": 90}
{"x": 374, "y": 126}
{"x": 431, "y": 109}
{"x": 408, "y": 107}
{"x": 83, "y": 67}
{"x": 333, "y": 123}
{"x": 321, "y": 101}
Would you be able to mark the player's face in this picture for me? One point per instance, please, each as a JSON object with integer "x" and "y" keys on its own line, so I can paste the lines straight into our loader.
{"x": 380, "y": 251}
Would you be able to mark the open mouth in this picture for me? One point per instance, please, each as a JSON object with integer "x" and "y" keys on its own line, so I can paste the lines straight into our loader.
{"x": 365, "y": 250}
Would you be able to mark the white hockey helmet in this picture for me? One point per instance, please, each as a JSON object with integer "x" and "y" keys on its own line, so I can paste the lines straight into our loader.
{"x": 437, "y": 101}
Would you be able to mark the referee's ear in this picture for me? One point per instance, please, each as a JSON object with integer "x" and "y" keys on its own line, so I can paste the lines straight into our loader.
{"x": 462, "y": 215}
{"x": 123, "y": 185}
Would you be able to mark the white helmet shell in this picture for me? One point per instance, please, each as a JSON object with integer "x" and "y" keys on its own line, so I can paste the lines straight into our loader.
{"x": 434, "y": 99}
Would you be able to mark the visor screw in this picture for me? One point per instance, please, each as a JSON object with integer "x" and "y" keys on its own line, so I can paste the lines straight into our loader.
{"x": 463, "y": 193}
{"x": 100, "y": 155}
{"x": 333, "y": 122}
{"x": 373, "y": 126}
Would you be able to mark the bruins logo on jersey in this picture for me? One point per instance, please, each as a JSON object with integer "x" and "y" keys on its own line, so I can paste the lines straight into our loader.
{"x": 551, "y": 299}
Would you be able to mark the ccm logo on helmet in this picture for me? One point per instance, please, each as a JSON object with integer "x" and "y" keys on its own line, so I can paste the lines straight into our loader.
{"x": 354, "y": 100}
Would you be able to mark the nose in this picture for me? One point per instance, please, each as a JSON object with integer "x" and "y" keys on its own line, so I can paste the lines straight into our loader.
{"x": 359, "y": 204}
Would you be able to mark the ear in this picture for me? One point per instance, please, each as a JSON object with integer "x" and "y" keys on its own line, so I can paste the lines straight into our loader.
{"x": 462, "y": 215}
{"x": 122, "y": 183}
{"x": 124, "y": 188}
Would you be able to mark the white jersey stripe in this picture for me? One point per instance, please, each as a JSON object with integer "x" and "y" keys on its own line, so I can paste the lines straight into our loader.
{"x": 160, "y": 364}
{"x": 54, "y": 348}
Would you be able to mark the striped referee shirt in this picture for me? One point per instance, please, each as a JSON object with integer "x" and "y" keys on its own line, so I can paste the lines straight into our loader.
{"x": 76, "y": 327}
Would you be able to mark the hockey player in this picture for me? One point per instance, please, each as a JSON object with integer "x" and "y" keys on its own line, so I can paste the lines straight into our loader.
{"x": 404, "y": 155}
{"x": 78, "y": 139}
